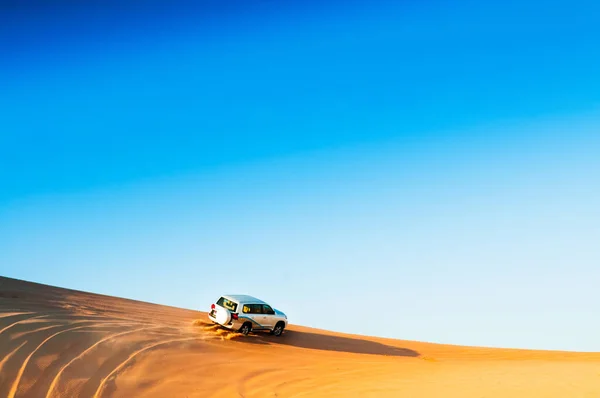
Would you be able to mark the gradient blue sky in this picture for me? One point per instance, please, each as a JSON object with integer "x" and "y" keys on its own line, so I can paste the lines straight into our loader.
{"x": 419, "y": 170}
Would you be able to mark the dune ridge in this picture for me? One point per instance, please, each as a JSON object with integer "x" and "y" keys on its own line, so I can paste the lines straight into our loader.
{"x": 57, "y": 342}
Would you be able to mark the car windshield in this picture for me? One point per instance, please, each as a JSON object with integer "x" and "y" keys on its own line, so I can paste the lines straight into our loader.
{"x": 230, "y": 305}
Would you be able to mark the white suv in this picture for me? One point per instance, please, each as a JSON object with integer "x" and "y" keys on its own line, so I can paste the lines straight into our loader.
{"x": 246, "y": 313}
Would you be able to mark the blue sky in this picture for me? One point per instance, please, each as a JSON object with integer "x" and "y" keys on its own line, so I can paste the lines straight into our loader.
{"x": 426, "y": 171}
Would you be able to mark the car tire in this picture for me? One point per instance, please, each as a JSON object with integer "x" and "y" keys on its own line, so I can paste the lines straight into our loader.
{"x": 278, "y": 329}
{"x": 246, "y": 329}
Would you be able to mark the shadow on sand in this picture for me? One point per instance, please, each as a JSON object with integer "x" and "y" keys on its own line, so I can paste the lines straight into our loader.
{"x": 316, "y": 341}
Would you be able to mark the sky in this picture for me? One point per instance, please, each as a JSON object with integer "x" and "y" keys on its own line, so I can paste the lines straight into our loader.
{"x": 417, "y": 170}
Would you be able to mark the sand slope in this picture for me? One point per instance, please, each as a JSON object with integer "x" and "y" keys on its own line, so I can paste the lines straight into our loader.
{"x": 63, "y": 343}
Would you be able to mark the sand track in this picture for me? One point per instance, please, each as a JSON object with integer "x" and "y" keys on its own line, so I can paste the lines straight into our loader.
{"x": 57, "y": 343}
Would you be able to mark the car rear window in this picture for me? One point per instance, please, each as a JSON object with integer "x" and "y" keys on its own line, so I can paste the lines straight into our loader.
{"x": 230, "y": 305}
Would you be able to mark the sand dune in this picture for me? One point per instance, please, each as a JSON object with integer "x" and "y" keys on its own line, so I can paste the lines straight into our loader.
{"x": 64, "y": 343}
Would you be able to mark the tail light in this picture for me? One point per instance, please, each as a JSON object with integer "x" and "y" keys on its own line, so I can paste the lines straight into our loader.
{"x": 234, "y": 316}
{"x": 212, "y": 307}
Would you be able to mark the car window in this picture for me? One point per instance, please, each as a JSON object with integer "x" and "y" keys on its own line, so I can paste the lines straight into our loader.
{"x": 268, "y": 310}
{"x": 252, "y": 309}
{"x": 230, "y": 305}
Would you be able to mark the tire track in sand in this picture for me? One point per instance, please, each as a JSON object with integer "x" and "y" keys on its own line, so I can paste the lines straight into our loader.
{"x": 102, "y": 384}
{"x": 45, "y": 315}
{"x": 90, "y": 348}
{"x": 9, "y": 313}
{"x": 30, "y": 332}
{"x": 15, "y": 385}
{"x": 10, "y": 354}
{"x": 22, "y": 321}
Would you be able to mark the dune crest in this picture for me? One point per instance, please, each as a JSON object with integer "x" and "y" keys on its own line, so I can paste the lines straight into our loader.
{"x": 64, "y": 343}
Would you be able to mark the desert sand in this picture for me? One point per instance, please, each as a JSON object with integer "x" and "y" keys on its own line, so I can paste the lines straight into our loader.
{"x": 57, "y": 342}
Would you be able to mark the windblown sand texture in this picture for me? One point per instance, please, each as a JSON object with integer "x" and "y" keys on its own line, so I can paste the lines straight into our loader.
{"x": 63, "y": 343}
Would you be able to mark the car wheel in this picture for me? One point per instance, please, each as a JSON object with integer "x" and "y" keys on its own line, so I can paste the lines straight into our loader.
{"x": 245, "y": 329}
{"x": 278, "y": 330}
{"x": 223, "y": 316}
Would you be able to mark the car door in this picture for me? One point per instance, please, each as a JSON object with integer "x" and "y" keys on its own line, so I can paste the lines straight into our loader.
{"x": 254, "y": 313}
{"x": 268, "y": 316}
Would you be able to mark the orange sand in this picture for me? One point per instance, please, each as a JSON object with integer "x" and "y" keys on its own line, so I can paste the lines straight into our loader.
{"x": 64, "y": 343}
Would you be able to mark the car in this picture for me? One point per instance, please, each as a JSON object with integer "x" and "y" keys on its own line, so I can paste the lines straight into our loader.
{"x": 246, "y": 314}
